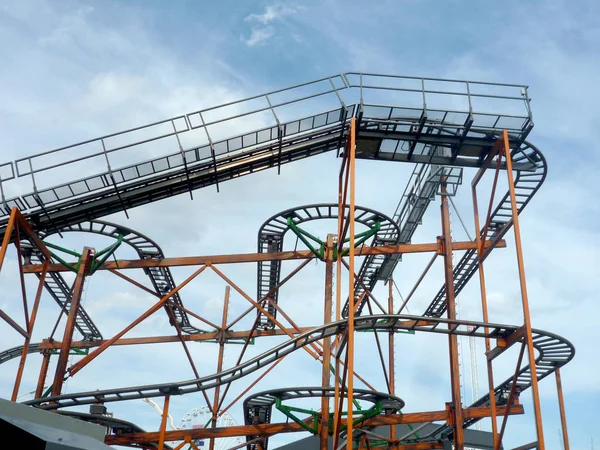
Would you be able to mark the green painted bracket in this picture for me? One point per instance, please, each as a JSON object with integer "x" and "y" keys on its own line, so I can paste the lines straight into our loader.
{"x": 62, "y": 261}
{"x": 365, "y": 414}
{"x": 362, "y": 238}
{"x": 240, "y": 341}
{"x": 319, "y": 252}
{"x": 72, "y": 351}
{"x": 101, "y": 257}
{"x": 303, "y": 235}
{"x": 45, "y": 394}
{"x": 289, "y": 411}
{"x": 97, "y": 260}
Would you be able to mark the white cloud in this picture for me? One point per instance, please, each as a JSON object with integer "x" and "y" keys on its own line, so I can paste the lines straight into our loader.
{"x": 272, "y": 13}
{"x": 259, "y": 36}
{"x": 114, "y": 78}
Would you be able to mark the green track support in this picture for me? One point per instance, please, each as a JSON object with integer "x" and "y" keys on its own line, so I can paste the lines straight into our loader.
{"x": 231, "y": 341}
{"x": 47, "y": 392}
{"x": 72, "y": 351}
{"x": 97, "y": 260}
{"x": 319, "y": 250}
{"x": 290, "y": 412}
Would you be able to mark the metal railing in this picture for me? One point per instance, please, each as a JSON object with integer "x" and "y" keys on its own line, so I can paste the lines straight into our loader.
{"x": 110, "y": 162}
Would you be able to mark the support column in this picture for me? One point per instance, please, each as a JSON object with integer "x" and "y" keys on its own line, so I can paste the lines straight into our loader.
{"x": 485, "y": 315}
{"x": 392, "y": 368}
{"x": 326, "y": 376}
{"x": 519, "y": 249}
{"x": 220, "y": 364}
{"x": 452, "y": 338}
{"x": 39, "y": 391}
{"x": 30, "y": 325}
{"x": 561, "y": 405}
{"x": 163, "y": 424}
{"x": 350, "y": 345}
{"x": 61, "y": 367}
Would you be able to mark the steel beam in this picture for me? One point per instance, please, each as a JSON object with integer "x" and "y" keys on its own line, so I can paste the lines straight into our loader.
{"x": 255, "y": 257}
{"x": 271, "y": 429}
{"x": 63, "y": 358}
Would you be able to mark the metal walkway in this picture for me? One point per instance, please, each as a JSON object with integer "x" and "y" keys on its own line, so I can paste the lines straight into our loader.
{"x": 197, "y": 149}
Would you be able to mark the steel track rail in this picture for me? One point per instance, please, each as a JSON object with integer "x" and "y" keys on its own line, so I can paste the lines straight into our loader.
{"x": 554, "y": 352}
{"x": 160, "y": 277}
{"x": 526, "y": 185}
{"x": 258, "y": 407}
{"x": 61, "y": 292}
{"x": 15, "y": 352}
{"x": 272, "y": 232}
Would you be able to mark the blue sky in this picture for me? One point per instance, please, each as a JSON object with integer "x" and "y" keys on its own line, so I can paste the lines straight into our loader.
{"x": 76, "y": 70}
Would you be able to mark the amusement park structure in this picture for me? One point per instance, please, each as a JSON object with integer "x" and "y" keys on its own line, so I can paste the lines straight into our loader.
{"x": 438, "y": 126}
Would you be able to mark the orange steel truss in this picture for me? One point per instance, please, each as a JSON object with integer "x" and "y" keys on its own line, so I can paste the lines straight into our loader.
{"x": 334, "y": 351}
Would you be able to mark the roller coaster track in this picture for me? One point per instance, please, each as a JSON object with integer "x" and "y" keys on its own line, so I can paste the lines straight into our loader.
{"x": 272, "y": 232}
{"x": 15, "y": 352}
{"x": 258, "y": 407}
{"x": 160, "y": 277}
{"x": 458, "y": 131}
{"x": 554, "y": 351}
{"x": 60, "y": 291}
{"x": 418, "y": 195}
{"x": 526, "y": 185}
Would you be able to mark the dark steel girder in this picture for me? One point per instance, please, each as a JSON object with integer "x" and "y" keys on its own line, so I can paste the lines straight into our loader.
{"x": 553, "y": 352}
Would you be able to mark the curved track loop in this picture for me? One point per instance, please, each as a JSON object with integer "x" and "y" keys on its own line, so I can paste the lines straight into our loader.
{"x": 527, "y": 183}
{"x": 146, "y": 248}
{"x": 15, "y": 352}
{"x": 554, "y": 351}
{"x": 160, "y": 277}
{"x": 258, "y": 407}
{"x": 270, "y": 239}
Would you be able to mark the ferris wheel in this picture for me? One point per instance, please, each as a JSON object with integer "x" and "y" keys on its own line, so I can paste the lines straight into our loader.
{"x": 201, "y": 418}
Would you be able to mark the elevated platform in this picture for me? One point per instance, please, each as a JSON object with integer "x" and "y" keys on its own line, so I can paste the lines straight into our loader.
{"x": 421, "y": 120}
